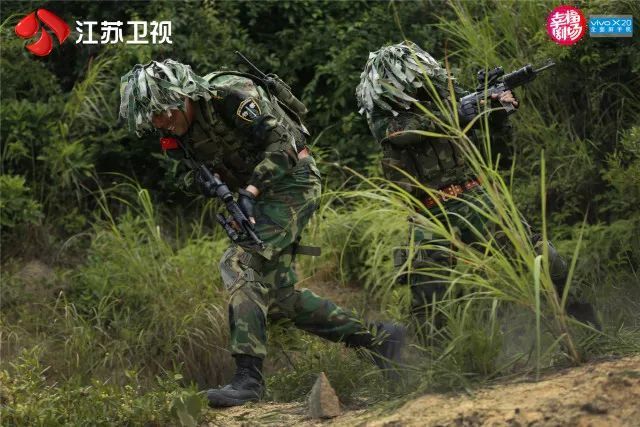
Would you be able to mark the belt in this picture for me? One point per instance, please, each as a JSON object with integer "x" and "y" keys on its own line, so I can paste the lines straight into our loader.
{"x": 449, "y": 191}
{"x": 257, "y": 262}
{"x": 306, "y": 250}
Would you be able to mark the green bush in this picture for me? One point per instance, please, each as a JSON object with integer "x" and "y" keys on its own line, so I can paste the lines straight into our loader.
{"x": 351, "y": 375}
{"x": 17, "y": 206}
{"x": 28, "y": 397}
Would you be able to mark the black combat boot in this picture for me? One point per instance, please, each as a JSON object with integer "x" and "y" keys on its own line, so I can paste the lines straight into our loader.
{"x": 581, "y": 311}
{"x": 246, "y": 385}
{"x": 385, "y": 348}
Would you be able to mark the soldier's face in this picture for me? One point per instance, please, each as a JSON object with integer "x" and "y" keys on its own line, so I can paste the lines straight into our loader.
{"x": 174, "y": 121}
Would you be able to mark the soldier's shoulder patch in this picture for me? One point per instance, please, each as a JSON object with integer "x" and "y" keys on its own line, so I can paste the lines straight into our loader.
{"x": 248, "y": 109}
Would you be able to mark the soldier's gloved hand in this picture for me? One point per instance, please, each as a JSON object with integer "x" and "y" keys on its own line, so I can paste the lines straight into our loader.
{"x": 497, "y": 119}
{"x": 247, "y": 202}
{"x": 467, "y": 110}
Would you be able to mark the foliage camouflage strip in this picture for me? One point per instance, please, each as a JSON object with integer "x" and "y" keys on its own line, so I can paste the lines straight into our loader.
{"x": 155, "y": 87}
{"x": 393, "y": 75}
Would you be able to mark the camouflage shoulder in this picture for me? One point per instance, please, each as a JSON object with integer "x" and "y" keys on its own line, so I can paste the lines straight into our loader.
{"x": 223, "y": 83}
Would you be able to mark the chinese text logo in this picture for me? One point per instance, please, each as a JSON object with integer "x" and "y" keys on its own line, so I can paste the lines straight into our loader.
{"x": 111, "y": 32}
{"x": 611, "y": 26}
{"x": 29, "y": 25}
{"x": 566, "y": 25}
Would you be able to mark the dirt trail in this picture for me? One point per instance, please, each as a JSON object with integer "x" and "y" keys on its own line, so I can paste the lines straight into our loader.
{"x": 605, "y": 393}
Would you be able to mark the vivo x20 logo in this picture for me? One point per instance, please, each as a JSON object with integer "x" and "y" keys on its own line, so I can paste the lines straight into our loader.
{"x": 29, "y": 26}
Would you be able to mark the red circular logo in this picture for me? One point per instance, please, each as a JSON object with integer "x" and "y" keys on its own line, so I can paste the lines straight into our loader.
{"x": 566, "y": 25}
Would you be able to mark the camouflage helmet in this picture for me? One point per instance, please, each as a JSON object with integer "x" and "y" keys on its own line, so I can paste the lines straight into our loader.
{"x": 393, "y": 75}
{"x": 157, "y": 86}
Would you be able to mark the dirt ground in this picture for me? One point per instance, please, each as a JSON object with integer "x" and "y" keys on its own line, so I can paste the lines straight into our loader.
{"x": 604, "y": 393}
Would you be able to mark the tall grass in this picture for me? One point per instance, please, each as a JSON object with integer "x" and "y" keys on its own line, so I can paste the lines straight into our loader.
{"x": 123, "y": 336}
{"x": 141, "y": 307}
{"x": 497, "y": 273}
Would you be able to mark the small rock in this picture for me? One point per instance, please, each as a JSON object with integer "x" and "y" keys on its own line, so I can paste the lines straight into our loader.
{"x": 596, "y": 408}
{"x": 323, "y": 401}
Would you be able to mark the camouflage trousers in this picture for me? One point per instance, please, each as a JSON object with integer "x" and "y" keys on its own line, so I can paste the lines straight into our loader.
{"x": 261, "y": 281}
{"x": 467, "y": 224}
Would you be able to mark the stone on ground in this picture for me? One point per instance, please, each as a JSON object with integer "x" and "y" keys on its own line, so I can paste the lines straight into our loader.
{"x": 323, "y": 401}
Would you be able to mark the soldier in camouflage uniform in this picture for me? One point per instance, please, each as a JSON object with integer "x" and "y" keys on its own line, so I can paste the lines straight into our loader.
{"x": 391, "y": 83}
{"x": 246, "y": 135}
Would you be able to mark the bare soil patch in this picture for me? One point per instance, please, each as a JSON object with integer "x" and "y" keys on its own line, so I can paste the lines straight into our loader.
{"x": 604, "y": 393}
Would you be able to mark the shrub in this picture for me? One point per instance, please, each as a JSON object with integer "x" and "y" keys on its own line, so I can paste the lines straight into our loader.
{"x": 17, "y": 206}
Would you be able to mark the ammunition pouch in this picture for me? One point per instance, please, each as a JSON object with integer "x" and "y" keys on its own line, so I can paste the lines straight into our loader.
{"x": 394, "y": 160}
{"x": 282, "y": 91}
{"x": 252, "y": 261}
{"x": 267, "y": 130}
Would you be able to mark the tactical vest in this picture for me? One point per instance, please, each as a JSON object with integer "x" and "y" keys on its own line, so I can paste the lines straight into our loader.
{"x": 434, "y": 162}
{"x": 227, "y": 150}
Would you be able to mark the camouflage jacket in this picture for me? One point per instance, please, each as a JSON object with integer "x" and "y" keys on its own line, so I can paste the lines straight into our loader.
{"x": 243, "y": 133}
{"x": 435, "y": 162}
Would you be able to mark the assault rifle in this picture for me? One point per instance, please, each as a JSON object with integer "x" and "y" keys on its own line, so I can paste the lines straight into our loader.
{"x": 496, "y": 82}
{"x": 213, "y": 186}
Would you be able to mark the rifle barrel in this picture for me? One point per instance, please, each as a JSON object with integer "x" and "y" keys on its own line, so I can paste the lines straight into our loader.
{"x": 544, "y": 67}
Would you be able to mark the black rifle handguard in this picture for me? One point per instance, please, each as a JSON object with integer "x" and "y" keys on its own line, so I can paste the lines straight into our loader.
{"x": 496, "y": 83}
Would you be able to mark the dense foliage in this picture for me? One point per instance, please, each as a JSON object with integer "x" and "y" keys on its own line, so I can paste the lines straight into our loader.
{"x": 111, "y": 303}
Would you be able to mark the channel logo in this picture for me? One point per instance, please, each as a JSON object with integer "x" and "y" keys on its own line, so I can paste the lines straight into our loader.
{"x": 30, "y": 24}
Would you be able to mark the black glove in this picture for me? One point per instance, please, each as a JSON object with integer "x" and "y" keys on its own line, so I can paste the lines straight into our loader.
{"x": 203, "y": 185}
{"x": 467, "y": 110}
{"x": 247, "y": 203}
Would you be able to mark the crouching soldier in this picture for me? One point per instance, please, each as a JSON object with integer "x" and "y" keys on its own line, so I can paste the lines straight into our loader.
{"x": 391, "y": 86}
{"x": 252, "y": 141}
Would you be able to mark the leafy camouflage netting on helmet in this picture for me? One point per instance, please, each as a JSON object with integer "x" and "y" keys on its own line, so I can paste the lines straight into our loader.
{"x": 155, "y": 87}
{"x": 393, "y": 74}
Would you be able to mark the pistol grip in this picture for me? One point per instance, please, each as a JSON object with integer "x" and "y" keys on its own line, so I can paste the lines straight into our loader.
{"x": 508, "y": 107}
